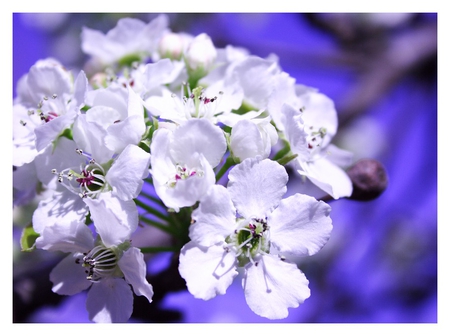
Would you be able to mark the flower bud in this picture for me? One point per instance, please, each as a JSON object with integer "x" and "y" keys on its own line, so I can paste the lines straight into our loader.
{"x": 200, "y": 55}
{"x": 369, "y": 179}
{"x": 172, "y": 46}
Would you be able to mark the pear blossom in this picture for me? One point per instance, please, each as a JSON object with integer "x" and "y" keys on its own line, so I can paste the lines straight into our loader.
{"x": 106, "y": 265}
{"x": 309, "y": 133}
{"x": 49, "y": 94}
{"x": 81, "y": 177}
{"x": 119, "y": 112}
{"x": 130, "y": 39}
{"x": 182, "y": 161}
{"x": 249, "y": 226}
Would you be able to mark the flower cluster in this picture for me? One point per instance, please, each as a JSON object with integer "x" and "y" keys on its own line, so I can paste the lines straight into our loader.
{"x": 210, "y": 130}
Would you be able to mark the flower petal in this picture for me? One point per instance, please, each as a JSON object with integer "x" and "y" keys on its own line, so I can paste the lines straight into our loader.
{"x": 328, "y": 177}
{"x": 246, "y": 141}
{"x": 256, "y": 187}
{"x": 115, "y": 220}
{"x": 198, "y": 136}
{"x": 300, "y": 225}
{"x": 69, "y": 277}
{"x": 215, "y": 217}
{"x": 110, "y": 301}
{"x": 273, "y": 286}
{"x": 66, "y": 237}
{"x": 61, "y": 206}
{"x": 207, "y": 271}
{"x": 133, "y": 266}
{"x": 126, "y": 174}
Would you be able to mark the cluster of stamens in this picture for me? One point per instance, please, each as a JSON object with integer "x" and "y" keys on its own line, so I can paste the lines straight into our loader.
{"x": 100, "y": 262}
{"x": 315, "y": 138}
{"x": 44, "y": 116}
{"x": 91, "y": 179}
{"x": 182, "y": 173}
{"x": 249, "y": 240}
{"x": 196, "y": 104}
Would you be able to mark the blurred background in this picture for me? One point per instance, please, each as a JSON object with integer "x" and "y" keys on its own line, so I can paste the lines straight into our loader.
{"x": 380, "y": 264}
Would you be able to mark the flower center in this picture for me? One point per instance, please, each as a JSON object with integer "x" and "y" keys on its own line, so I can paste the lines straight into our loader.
{"x": 315, "y": 139}
{"x": 183, "y": 173}
{"x": 197, "y": 105}
{"x": 100, "y": 262}
{"x": 91, "y": 178}
{"x": 250, "y": 239}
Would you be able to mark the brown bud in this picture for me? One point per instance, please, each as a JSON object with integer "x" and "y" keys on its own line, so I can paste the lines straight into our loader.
{"x": 369, "y": 179}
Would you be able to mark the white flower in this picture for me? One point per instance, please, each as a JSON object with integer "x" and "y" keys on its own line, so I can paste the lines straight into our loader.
{"x": 249, "y": 226}
{"x": 51, "y": 98}
{"x": 309, "y": 135}
{"x": 182, "y": 161}
{"x": 108, "y": 265}
{"x": 119, "y": 112}
{"x": 130, "y": 38}
{"x": 116, "y": 180}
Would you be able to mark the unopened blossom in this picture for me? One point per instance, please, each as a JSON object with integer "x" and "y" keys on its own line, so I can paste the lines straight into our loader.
{"x": 173, "y": 45}
{"x": 309, "y": 133}
{"x": 249, "y": 226}
{"x": 182, "y": 161}
{"x": 252, "y": 134}
{"x": 200, "y": 56}
{"x": 106, "y": 265}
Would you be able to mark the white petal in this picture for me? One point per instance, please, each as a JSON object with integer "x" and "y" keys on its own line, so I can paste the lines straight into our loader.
{"x": 300, "y": 225}
{"x": 246, "y": 141}
{"x": 80, "y": 89}
{"x": 62, "y": 206}
{"x": 274, "y": 286}
{"x": 328, "y": 177}
{"x": 90, "y": 137}
{"x": 256, "y": 187}
{"x": 163, "y": 168}
{"x": 103, "y": 115}
{"x": 59, "y": 157}
{"x": 215, "y": 218}
{"x": 208, "y": 272}
{"x": 110, "y": 301}
{"x": 49, "y": 131}
{"x": 66, "y": 237}
{"x": 69, "y": 277}
{"x": 126, "y": 174}
{"x": 198, "y": 136}
{"x": 133, "y": 266}
{"x": 115, "y": 220}
{"x": 294, "y": 131}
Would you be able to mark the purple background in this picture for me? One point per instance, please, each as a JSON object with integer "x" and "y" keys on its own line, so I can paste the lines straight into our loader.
{"x": 380, "y": 264}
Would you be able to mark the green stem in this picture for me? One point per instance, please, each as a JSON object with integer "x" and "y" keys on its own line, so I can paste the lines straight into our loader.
{"x": 152, "y": 198}
{"x": 156, "y": 249}
{"x": 282, "y": 152}
{"x": 152, "y": 211}
{"x": 161, "y": 226}
{"x": 286, "y": 159}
